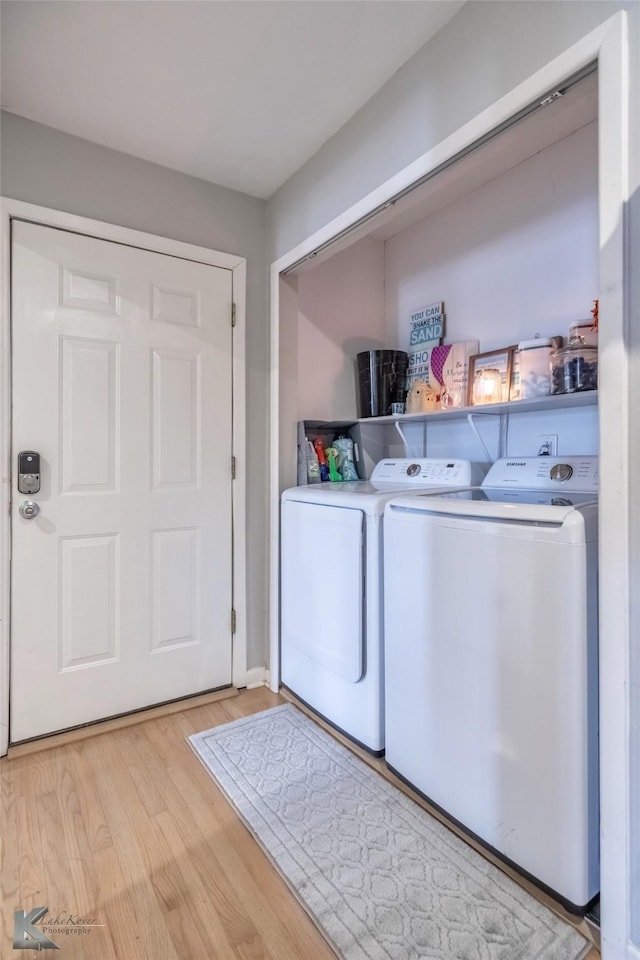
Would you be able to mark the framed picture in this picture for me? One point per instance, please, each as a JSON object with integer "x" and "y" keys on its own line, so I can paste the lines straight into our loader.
{"x": 490, "y": 377}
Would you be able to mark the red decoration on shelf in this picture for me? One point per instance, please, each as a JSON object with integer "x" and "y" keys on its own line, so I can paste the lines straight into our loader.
{"x": 594, "y": 314}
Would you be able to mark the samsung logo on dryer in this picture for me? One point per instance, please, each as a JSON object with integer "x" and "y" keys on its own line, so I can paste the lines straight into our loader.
{"x": 516, "y": 463}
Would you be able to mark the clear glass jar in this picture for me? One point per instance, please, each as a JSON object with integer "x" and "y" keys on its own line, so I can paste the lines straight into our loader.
{"x": 574, "y": 367}
{"x": 585, "y": 330}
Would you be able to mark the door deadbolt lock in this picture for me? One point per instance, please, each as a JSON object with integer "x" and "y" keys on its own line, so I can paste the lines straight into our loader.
{"x": 29, "y": 510}
{"x": 28, "y": 471}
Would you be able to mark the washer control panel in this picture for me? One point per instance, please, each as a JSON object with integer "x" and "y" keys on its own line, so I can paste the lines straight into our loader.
{"x": 561, "y": 471}
{"x": 541, "y": 473}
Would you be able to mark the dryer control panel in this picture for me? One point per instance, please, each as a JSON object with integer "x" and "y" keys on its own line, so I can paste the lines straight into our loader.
{"x": 545, "y": 473}
{"x": 424, "y": 471}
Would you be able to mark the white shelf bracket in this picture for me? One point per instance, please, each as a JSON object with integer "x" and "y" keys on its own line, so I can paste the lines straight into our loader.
{"x": 471, "y": 423}
{"x": 408, "y": 451}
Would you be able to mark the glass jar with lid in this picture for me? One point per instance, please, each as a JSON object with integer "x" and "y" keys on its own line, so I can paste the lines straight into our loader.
{"x": 586, "y": 330}
{"x": 574, "y": 367}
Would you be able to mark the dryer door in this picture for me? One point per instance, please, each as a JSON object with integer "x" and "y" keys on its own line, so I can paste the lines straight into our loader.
{"x": 322, "y": 590}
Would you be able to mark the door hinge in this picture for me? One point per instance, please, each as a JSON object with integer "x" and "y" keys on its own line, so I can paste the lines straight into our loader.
{"x": 233, "y": 314}
{"x": 233, "y": 468}
{"x": 233, "y": 620}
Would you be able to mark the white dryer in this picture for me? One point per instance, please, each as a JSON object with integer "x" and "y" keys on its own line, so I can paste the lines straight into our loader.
{"x": 491, "y": 639}
{"x": 331, "y": 589}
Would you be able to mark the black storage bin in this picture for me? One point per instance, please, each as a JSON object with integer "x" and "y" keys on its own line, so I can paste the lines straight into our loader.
{"x": 382, "y": 376}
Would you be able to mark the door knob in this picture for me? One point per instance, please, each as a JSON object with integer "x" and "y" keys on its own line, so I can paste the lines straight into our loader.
{"x": 29, "y": 510}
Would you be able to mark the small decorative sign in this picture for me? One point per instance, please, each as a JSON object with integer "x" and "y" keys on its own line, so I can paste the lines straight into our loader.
{"x": 444, "y": 370}
{"x": 427, "y": 326}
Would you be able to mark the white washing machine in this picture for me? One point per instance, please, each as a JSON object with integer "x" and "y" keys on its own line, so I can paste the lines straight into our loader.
{"x": 491, "y": 643}
{"x": 331, "y": 589}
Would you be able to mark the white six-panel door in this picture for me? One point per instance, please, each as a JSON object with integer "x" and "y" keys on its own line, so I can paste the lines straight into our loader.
{"x": 121, "y": 586}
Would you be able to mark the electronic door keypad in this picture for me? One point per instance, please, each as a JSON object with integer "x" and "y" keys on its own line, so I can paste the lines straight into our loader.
{"x": 28, "y": 471}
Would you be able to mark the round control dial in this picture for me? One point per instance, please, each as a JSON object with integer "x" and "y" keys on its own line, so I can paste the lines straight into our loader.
{"x": 413, "y": 469}
{"x": 561, "y": 471}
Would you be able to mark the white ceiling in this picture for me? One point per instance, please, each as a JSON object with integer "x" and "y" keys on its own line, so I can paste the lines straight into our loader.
{"x": 238, "y": 92}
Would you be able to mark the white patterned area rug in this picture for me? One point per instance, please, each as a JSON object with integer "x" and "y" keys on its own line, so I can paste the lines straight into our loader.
{"x": 381, "y": 878}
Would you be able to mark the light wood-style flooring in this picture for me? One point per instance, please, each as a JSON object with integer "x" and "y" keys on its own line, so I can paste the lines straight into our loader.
{"x": 126, "y": 829}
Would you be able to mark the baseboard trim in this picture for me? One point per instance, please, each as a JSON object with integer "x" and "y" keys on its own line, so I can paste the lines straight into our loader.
{"x": 256, "y": 677}
{"x": 118, "y": 723}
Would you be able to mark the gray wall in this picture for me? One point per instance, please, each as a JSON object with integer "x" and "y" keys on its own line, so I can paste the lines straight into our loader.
{"x": 44, "y": 166}
{"x": 480, "y": 55}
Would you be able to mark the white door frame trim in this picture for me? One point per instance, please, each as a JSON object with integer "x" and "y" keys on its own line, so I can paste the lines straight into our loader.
{"x": 608, "y": 45}
{"x": 19, "y": 210}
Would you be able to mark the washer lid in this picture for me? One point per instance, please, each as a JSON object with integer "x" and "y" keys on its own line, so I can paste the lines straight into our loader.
{"x": 552, "y": 498}
{"x": 535, "y": 509}
{"x": 363, "y": 495}
{"x": 390, "y": 476}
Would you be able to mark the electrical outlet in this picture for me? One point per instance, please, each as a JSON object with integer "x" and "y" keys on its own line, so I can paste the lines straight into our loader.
{"x": 548, "y": 445}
